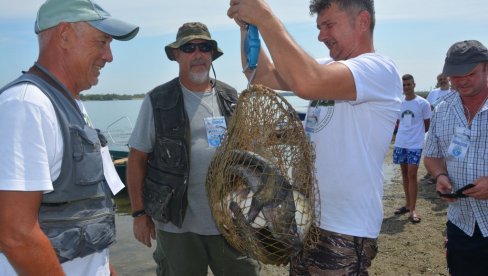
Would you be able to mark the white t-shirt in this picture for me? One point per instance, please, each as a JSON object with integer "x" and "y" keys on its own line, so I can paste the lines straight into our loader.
{"x": 351, "y": 139}
{"x": 31, "y": 147}
{"x": 435, "y": 96}
{"x": 411, "y": 130}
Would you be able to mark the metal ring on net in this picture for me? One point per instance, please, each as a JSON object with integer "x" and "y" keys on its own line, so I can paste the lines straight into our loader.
{"x": 260, "y": 184}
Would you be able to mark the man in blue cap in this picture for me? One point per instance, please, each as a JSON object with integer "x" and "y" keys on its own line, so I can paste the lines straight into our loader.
{"x": 56, "y": 207}
{"x": 456, "y": 152}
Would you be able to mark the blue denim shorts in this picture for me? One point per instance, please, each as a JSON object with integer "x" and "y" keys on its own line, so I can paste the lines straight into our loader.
{"x": 406, "y": 156}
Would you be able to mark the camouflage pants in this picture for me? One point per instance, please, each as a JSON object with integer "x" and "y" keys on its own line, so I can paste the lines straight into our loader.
{"x": 336, "y": 254}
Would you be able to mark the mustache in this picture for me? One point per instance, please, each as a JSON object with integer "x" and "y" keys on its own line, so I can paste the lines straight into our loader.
{"x": 198, "y": 61}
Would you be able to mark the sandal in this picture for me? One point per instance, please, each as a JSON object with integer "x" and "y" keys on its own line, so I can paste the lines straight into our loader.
{"x": 402, "y": 210}
{"x": 414, "y": 219}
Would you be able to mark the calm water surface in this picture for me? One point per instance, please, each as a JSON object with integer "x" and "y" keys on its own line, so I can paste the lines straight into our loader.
{"x": 117, "y": 118}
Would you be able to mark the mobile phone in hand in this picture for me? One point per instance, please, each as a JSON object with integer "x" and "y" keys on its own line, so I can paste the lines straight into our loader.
{"x": 458, "y": 193}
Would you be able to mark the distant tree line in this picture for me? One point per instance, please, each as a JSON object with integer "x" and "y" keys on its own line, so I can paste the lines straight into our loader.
{"x": 110, "y": 97}
{"x": 422, "y": 94}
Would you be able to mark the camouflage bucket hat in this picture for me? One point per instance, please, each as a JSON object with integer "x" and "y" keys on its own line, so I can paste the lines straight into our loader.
{"x": 191, "y": 31}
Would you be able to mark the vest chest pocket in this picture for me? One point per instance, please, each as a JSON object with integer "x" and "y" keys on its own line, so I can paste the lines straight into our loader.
{"x": 171, "y": 153}
{"x": 87, "y": 158}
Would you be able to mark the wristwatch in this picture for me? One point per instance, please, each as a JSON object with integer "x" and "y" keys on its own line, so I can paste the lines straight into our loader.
{"x": 139, "y": 213}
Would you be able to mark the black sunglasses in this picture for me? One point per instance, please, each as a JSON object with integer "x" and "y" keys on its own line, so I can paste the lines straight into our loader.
{"x": 458, "y": 193}
{"x": 188, "y": 48}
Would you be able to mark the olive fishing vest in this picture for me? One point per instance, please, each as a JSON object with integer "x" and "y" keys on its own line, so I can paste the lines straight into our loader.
{"x": 166, "y": 182}
{"x": 78, "y": 217}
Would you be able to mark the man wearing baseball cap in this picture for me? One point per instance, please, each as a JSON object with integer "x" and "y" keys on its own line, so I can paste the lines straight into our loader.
{"x": 56, "y": 177}
{"x": 456, "y": 155}
{"x": 173, "y": 142}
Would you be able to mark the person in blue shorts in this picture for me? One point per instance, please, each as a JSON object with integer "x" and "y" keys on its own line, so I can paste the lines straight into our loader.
{"x": 413, "y": 122}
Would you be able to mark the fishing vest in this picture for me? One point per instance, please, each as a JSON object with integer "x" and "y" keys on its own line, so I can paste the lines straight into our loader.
{"x": 166, "y": 181}
{"x": 78, "y": 217}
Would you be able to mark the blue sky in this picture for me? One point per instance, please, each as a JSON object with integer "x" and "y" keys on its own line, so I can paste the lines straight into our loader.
{"x": 415, "y": 34}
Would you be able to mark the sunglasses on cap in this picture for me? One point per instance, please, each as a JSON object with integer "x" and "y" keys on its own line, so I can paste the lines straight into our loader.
{"x": 204, "y": 47}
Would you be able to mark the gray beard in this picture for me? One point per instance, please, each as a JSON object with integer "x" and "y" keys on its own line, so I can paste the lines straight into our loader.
{"x": 199, "y": 78}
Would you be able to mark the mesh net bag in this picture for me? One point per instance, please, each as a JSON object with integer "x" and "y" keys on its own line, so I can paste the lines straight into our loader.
{"x": 260, "y": 184}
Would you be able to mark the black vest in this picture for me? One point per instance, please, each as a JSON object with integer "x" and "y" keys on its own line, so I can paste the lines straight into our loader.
{"x": 166, "y": 182}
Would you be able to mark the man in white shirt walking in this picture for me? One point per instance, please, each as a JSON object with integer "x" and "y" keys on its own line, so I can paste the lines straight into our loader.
{"x": 413, "y": 122}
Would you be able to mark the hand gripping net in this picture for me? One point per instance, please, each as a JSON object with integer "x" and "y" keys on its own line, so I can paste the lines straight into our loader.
{"x": 260, "y": 184}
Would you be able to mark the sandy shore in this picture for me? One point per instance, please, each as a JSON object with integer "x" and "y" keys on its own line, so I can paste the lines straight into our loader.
{"x": 404, "y": 248}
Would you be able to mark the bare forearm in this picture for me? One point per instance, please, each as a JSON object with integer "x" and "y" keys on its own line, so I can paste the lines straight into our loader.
{"x": 292, "y": 64}
{"x": 33, "y": 255}
{"x": 426, "y": 125}
{"x": 435, "y": 166}
{"x": 22, "y": 241}
{"x": 136, "y": 171}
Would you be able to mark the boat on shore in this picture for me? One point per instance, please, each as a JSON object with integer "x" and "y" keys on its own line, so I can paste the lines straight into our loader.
{"x": 119, "y": 158}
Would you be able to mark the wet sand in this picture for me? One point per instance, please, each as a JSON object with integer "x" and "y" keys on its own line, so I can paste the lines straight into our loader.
{"x": 128, "y": 256}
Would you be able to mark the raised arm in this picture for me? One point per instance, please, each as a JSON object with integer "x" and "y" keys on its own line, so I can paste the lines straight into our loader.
{"x": 298, "y": 70}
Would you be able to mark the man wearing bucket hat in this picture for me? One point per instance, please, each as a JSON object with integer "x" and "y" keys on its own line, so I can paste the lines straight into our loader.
{"x": 56, "y": 176}
{"x": 456, "y": 153}
{"x": 173, "y": 142}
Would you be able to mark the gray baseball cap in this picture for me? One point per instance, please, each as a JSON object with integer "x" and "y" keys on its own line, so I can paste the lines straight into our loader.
{"x": 462, "y": 57}
{"x": 53, "y": 12}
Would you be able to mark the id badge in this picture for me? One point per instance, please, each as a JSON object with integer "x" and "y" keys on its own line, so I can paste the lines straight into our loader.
{"x": 460, "y": 143}
{"x": 111, "y": 176}
{"x": 215, "y": 127}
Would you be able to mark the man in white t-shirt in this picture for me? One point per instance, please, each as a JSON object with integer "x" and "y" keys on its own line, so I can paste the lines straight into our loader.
{"x": 356, "y": 98}
{"x": 438, "y": 93}
{"x": 42, "y": 168}
{"x": 434, "y": 97}
{"x": 413, "y": 122}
